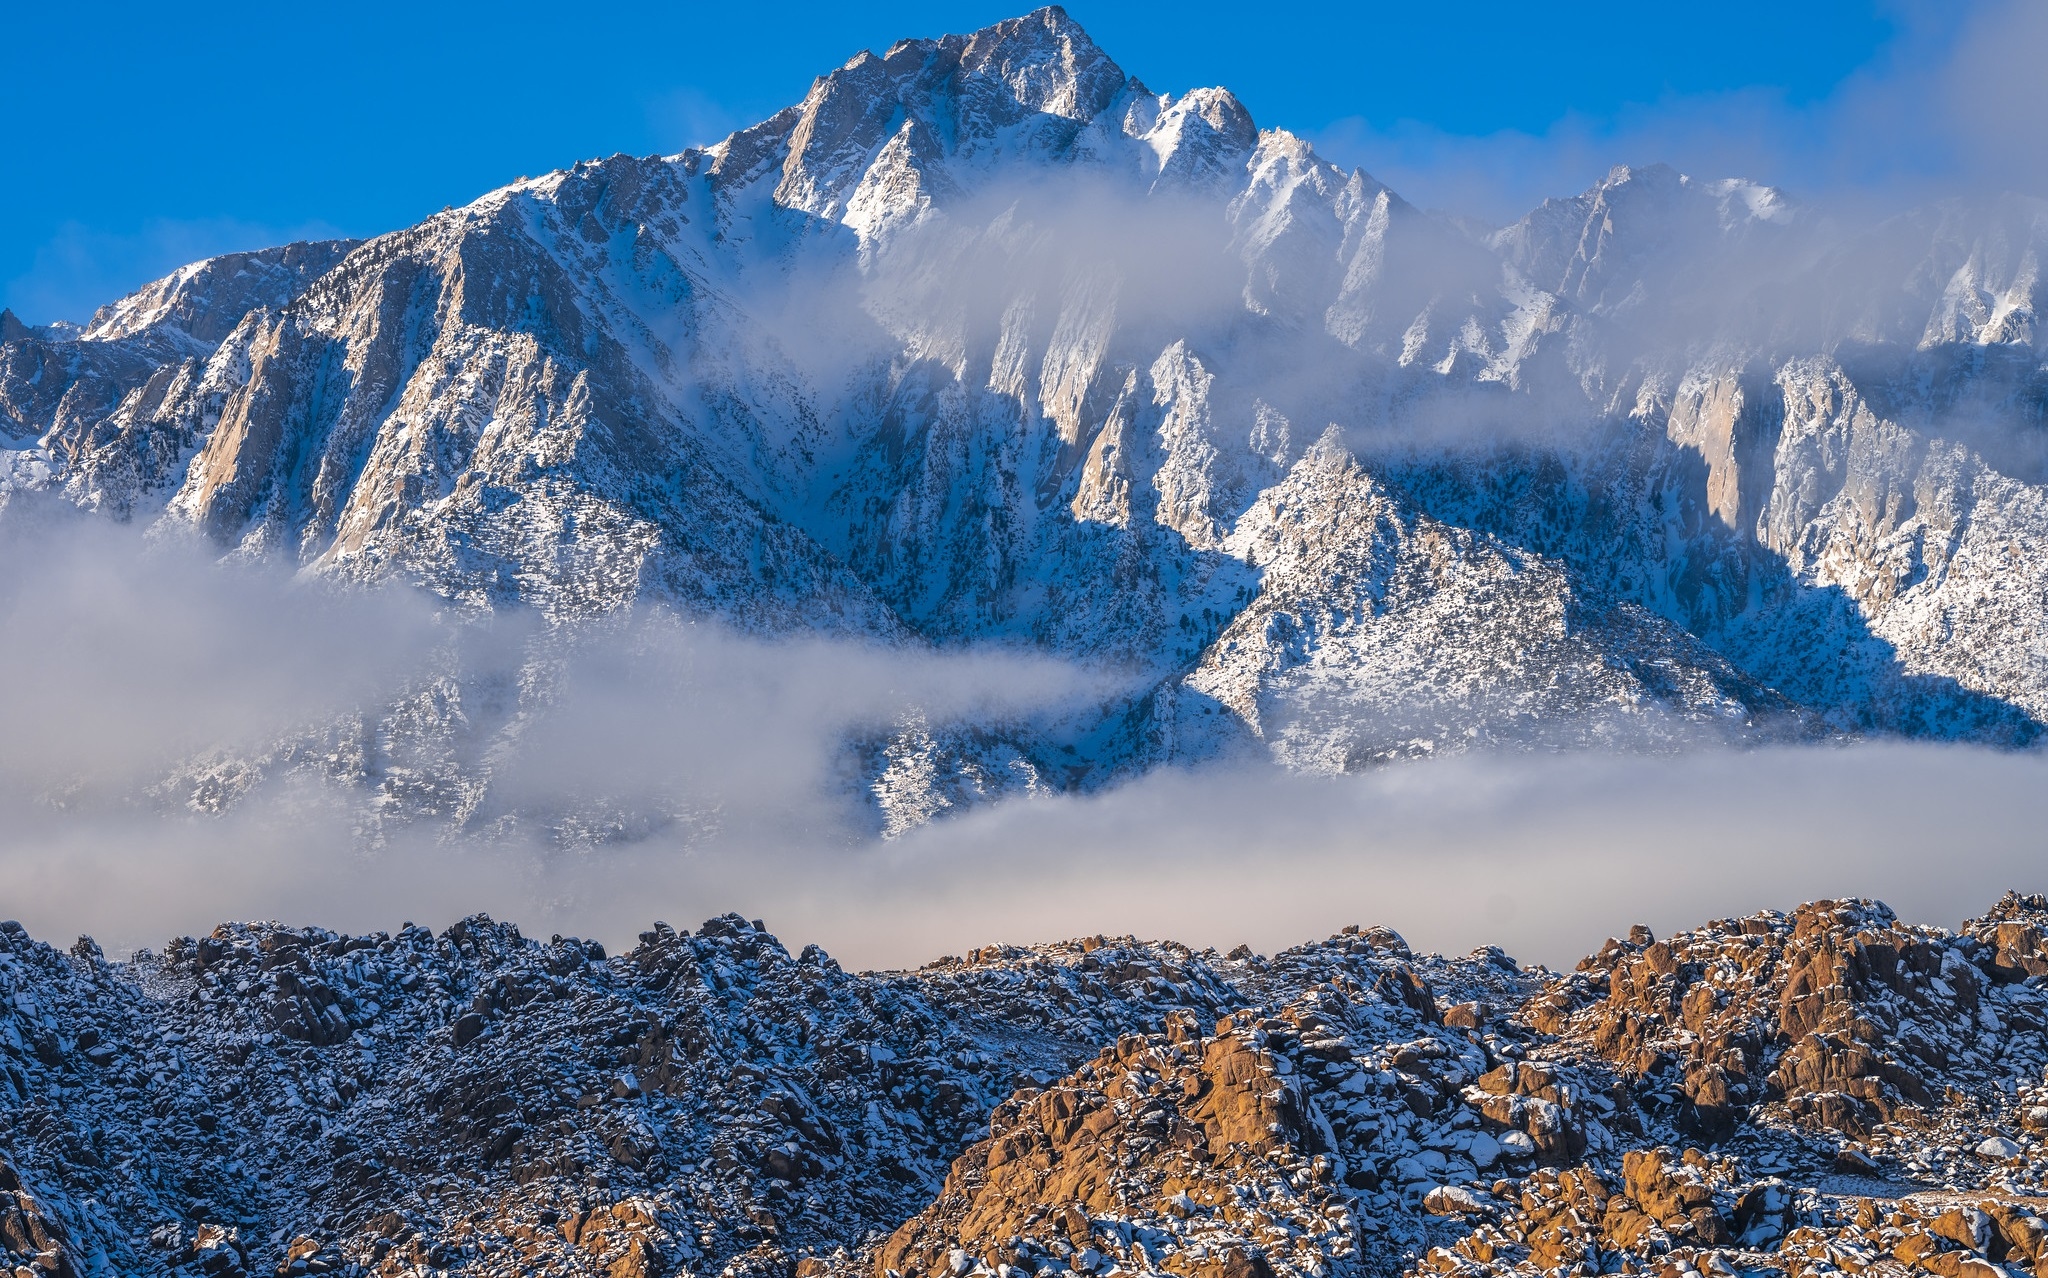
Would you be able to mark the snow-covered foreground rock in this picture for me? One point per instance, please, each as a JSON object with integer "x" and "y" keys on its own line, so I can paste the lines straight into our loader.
{"x": 1829, "y": 1090}
{"x": 984, "y": 341}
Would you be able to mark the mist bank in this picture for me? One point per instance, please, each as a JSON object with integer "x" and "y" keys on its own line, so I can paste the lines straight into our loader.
{"x": 1543, "y": 855}
{"x": 184, "y": 742}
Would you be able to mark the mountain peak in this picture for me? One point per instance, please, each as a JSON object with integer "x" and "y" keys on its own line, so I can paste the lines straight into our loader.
{"x": 897, "y": 120}
{"x": 1757, "y": 199}
{"x": 196, "y": 306}
{"x": 1659, "y": 174}
{"x": 1048, "y": 61}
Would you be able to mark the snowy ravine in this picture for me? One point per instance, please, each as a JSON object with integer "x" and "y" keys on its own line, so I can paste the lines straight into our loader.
{"x": 1818, "y": 1092}
{"x": 985, "y": 341}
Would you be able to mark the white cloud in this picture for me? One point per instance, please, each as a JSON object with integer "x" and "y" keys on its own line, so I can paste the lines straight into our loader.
{"x": 119, "y": 663}
{"x": 1952, "y": 106}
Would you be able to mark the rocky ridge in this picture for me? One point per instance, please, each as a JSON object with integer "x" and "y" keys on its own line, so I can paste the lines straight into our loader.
{"x": 1822, "y": 1091}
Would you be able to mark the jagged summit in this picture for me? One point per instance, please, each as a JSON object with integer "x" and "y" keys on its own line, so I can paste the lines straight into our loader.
{"x": 1642, "y": 231}
{"x": 884, "y": 138}
{"x": 1044, "y": 58}
{"x": 199, "y": 305}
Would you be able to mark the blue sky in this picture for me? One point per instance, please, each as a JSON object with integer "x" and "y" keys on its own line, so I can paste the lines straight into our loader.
{"x": 147, "y": 135}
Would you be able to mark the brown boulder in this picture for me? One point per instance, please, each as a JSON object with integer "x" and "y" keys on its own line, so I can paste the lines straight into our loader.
{"x": 1966, "y": 1226}
{"x": 2021, "y": 1233}
{"x": 1236, "y": 1262}
{"x": 1670, "y": 1199}
{"x": 1470, "y": 1016}
{"x": 2015, "y": 934}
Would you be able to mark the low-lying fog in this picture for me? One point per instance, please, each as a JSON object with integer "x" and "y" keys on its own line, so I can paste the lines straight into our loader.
{"x": 124, "y": 663}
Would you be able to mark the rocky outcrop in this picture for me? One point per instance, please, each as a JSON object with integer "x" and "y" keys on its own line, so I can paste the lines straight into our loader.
{"x": 65, "y": 384}
{"x": 1837, "y": 1012}
{"x": 1672, "y": 1215}
{"x": 31, "y": 1239}
{"x": 2015, "y": 931}
{"x": 1161, "y": 1137}
{"x": 282, "y": 1100}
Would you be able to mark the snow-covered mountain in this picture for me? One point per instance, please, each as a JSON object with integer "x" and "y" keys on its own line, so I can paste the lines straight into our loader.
{"x": 984, "y": 340}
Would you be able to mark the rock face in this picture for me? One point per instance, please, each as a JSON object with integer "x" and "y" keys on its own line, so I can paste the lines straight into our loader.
{"x": 292, "y": 1101}
{"x": 29, "y": 1235}
{"x": 986, "y": 341}
{"x": 1838, "y": 1012}
{"x": 124, "y": 400}
{"x": 2016, "y": 932}
{"x": 1161, "y": 1135}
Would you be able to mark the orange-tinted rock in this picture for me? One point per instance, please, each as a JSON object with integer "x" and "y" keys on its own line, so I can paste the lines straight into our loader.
{"x": 2015, "y": 931}
{"x": 1804, "y": 1007}
{"x": 1153, "y": 1126}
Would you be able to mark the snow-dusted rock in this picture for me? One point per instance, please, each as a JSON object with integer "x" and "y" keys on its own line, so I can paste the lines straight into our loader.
{"x": 984, "y": 340}
{"x": 268, "y": 1099}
